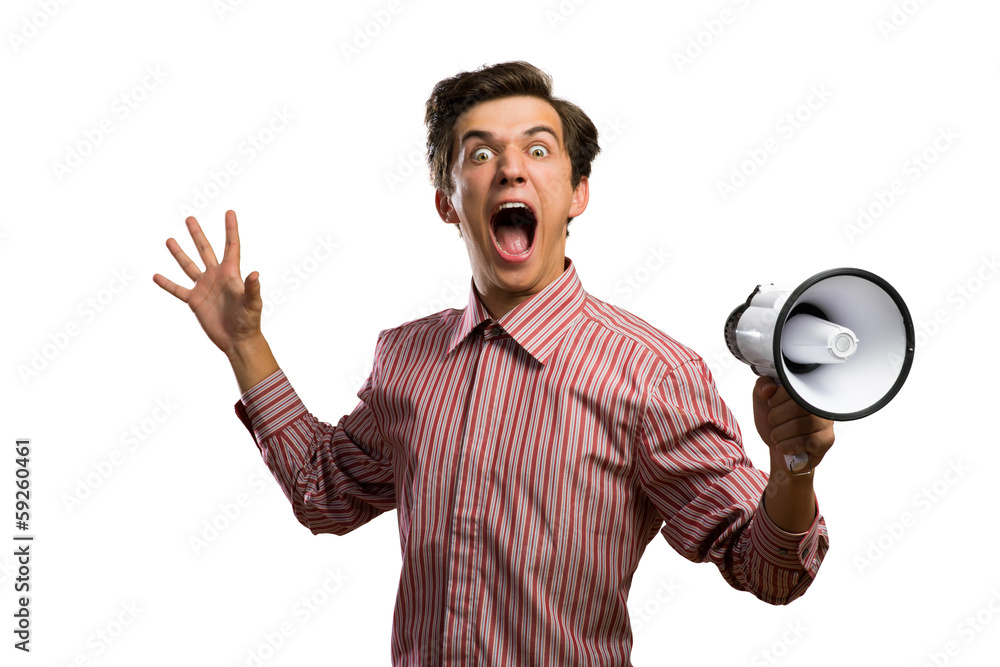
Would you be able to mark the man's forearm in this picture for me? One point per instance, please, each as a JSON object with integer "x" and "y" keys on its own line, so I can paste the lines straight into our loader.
{"x": 252, "y": 361}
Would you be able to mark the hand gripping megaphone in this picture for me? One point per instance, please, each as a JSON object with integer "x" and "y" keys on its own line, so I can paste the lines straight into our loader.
{"x": 841, "y": 343}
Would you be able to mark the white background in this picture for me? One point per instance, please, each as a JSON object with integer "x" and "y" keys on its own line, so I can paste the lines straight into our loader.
{"x": 113, "y": 552}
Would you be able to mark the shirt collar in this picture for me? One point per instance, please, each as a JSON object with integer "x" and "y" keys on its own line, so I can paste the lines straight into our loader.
{"x": 537, "y": 323}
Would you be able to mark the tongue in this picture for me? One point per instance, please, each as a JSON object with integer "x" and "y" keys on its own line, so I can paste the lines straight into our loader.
{"x": 512, "y": 239}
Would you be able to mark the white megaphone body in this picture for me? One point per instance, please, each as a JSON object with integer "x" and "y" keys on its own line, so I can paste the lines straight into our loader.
{"x": 841, "y": 343}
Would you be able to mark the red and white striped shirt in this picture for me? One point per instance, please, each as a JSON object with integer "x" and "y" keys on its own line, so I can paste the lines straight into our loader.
{"x": 531, "y": 460}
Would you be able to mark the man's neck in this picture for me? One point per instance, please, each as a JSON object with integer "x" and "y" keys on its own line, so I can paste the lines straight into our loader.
{"x": 499, "y": 302}
{"x": 498, "y": 306}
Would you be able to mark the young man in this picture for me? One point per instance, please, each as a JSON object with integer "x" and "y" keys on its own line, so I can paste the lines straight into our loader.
{"x": 534, "y": 442}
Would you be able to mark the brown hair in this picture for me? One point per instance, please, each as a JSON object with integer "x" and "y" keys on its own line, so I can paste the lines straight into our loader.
{"x": 451, "y": 97}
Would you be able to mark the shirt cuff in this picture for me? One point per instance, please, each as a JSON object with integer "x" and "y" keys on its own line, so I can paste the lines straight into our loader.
{"x": 789, "y": 551}
{"x": 269, "y": 406}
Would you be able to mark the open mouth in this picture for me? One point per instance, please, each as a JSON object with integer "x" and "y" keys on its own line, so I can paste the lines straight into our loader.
{"x": 513, "y": 226}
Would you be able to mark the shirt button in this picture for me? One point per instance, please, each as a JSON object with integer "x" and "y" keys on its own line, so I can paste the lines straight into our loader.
{"x": 783, "y": 552}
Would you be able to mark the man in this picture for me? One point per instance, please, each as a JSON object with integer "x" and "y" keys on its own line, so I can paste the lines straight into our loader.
{"x": 534, "y": 442}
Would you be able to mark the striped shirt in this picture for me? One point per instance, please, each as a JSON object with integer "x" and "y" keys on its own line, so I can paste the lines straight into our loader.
{"x": 531, "y": 459}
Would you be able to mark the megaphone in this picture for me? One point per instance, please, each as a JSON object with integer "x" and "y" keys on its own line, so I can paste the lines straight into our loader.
{"x": 841, "y": 343}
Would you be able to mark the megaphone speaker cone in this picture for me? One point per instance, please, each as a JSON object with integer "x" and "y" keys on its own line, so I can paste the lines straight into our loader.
{"x": 871, "y": 335}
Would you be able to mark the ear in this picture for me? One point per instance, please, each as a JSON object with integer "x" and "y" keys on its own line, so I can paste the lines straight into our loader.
{"x": 581, "y": 195}
{"x": 444, "y": 208}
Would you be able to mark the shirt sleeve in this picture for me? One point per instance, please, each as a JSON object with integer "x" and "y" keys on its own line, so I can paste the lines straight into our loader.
{"x": 694, "y": 470}
{"x": 337, "y": 478}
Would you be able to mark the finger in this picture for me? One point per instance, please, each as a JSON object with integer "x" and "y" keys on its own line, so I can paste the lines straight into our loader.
{"x": 189, "y": 267}
{"x": 765, "y": 387}
{"x": 798, "y": 427}
{"x": 232, "y": 250}
{"x": 814, "y": 442}
{"x": 779, "y": 397}
{"x": 200, "y": 242}
{"x": 785, "y": 412}
{"x": 171, "y": 287}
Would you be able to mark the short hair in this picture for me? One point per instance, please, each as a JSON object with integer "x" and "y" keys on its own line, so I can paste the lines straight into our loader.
{"x": 452, "y": 96}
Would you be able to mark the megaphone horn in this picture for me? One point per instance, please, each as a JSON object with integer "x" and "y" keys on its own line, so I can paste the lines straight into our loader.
{"x": 841, "y": 343}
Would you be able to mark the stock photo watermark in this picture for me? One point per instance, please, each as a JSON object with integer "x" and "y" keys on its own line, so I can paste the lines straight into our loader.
{"x": 98, "y": 642}
{"x": 911, "y": 170}
{"x": 642, "y": 612}
{"x": 780, "y": 648}
{"x": 228, "y": 512}
{"x": 301, "y": 612}
{"x": 558, "y": 14}
{"x": 58, "y": 341}
{"x": 298, "y": 273}
{"x": 921, "y": 504}
{"x": 122, "y": 106}
{"x": 407, "y": 165}
{"x": 710, "y": 31}
{"x": 136, "y": 436}
{"x": 32, "y": 24}
{"x": 454, "y": 294}
{"x": 899, "y": 15}
{"x": 247, "y": 151}
{"x": 22, "y": 544}
{"x": 364, "y": 34}
{"x": 223, "y": 8}
{"x": 958, "y": 297}
{"x": 972, "y": 625}
{"x": 787, "y": 126}
{"x": 633, "y": 281}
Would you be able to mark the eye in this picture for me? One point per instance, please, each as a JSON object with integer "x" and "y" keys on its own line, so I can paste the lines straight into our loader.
{"x": 481, "y": 154}
{"x": 539, "y": 151}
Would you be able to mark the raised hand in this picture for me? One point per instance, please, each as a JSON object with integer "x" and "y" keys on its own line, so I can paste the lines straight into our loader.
{"x": 227, "y": 307}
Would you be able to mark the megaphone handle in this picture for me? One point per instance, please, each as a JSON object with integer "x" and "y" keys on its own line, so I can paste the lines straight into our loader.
{"x": 799, "y": 461}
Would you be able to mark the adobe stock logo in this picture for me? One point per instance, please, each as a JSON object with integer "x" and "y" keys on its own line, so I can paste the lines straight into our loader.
{"x": 59, "y": 340}
{"x": 899, "y": 16}
{"x": 703, "y": 39}
{"x": 366, "y": 33}
{"x": 911, "y": 170}
{"x": 76, "y": 152}
{"x": 560, "y": 13}
{"x": 967, "y": 630}
{"x": 248, "y": 150}
{"x": 923, "y": 501}
{"x": 131, "y": 441}
{"x": 787, "y": 126}
{"x": 656, "y": 259}
{"x": 270, "y": 642}
{"x": 30, "y": 27}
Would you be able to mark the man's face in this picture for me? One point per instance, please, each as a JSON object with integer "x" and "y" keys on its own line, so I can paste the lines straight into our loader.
{"x": 512, "y": 196}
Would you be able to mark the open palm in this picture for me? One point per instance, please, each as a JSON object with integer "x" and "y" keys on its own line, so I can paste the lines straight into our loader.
{"x": 227, "y": 307}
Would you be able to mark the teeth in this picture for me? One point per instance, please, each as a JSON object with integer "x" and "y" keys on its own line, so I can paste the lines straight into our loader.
{"x": 513, "y": 204}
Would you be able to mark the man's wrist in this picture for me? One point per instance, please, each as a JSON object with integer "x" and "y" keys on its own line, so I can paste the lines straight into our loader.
{"x": 252, "y": 361}
{"x": 791, "y": 500}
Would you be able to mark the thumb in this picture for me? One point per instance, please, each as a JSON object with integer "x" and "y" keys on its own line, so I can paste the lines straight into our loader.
{"x": 765, "y": 388}
{"x": 251, "y": 286}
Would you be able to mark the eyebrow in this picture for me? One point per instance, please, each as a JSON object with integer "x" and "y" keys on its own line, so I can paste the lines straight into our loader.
{"x": 489, "y": 136}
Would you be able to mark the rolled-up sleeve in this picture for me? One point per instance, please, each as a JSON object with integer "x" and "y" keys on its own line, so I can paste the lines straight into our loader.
{"x": 694, "y": 470}
{"x": 337, "y": 478}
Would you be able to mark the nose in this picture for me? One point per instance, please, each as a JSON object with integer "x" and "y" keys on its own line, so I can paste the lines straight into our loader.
{"x": 510, "y": 168}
